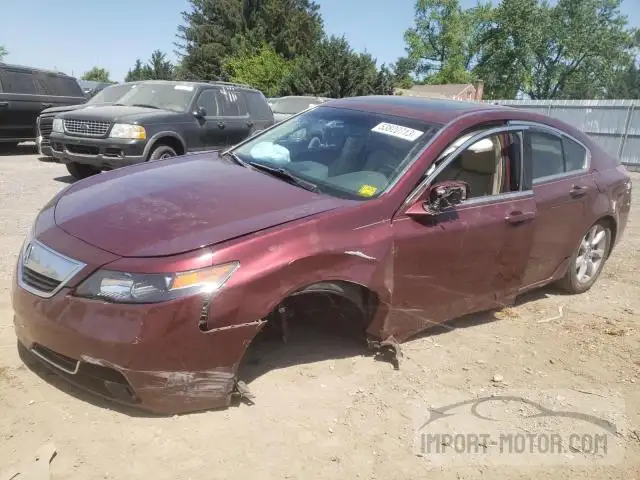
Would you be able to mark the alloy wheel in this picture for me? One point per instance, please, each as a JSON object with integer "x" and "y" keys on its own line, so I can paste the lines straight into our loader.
{"x": 591, "y": 253}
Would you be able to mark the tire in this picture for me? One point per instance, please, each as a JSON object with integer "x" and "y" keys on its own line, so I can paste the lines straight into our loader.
{"x": 80, "y": 171}
{"x": 583, "y": 272}
{"x": 160, "y": 152}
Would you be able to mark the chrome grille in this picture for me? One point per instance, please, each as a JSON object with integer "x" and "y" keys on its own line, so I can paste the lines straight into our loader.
{"x": 45, "y": 126}
{"x": 86, "y": 128}
{"x": 43, "y": 271}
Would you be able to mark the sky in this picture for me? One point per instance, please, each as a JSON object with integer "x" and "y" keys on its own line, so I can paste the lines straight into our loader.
{"x": 74, "y": 35}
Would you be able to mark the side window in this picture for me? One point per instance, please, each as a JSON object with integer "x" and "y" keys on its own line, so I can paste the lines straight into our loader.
{"x": 207, "y": 100}
{"x": 258, "y": 106}
{"x": 575, "y": 155}
{"x": 229, "y": 103}
{"x": 18, "y": 82}
{"x": 547, "y": 156}
{"x": 490, "y": 166}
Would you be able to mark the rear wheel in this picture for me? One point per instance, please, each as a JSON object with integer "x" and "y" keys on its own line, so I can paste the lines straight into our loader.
{"x": 161, "y": 152}
{"x": 80, "y": 171}
{"x": 587, "y": 261}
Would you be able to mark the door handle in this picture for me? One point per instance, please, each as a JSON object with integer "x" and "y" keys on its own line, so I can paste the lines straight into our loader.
{"x": 4, "y": 104}
{"x": 578, "y": 191}
{"x": 221, "y": 125}
{"x": 47, "y": 105}
{"x": 515, "y": 218}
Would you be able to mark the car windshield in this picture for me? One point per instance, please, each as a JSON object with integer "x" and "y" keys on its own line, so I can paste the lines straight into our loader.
{"x": 110, "y": 94}
{"x": 344, "y": 152}
{"x": 167, "y": 96}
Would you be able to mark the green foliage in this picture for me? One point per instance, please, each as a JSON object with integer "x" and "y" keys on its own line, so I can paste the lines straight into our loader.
{"x": 97, "y": 74}
{"x": 215, "y": 30}
{"x": 266, "y": 70}
{"x": 569, "y": 50}
{"x": 157, "y": 68}
{"x": 443, "y": 43}
{"x": 3, "y": 52}
{"x": 332, "y": 69}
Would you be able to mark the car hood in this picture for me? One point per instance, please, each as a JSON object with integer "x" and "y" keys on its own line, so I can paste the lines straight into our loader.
{"x": 65, "y": 108}
{"x": 119, "y": 113}
{"x": 71, "y": 108}
{"x": 174, "y": 206}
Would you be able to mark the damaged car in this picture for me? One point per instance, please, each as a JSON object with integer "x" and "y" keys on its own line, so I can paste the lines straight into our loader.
{"x": 147, "y": 284}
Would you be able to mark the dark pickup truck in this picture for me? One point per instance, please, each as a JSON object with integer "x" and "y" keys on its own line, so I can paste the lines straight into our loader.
{"x": 158, "y": 119}
{"x": 106, "y": 96}
{"x": 24, "y": 93}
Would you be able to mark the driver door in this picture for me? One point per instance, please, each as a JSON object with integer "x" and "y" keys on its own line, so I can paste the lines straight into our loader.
{"x": 471, "y": 256}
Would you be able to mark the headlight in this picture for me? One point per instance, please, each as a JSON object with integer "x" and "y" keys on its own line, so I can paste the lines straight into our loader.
{"x": 123, "y": 130}
{"x": 58, "y": 127}
{"x": 121, "y": 287}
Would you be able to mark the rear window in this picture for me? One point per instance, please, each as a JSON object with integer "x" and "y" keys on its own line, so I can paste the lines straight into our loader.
{"x": 15, "y": 81}
{"x": 59, "y": 86}
{"x": 258, "y": 106}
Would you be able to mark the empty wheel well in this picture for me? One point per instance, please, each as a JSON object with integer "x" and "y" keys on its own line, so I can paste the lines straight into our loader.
{"x": 172, "y": 142}
{"x": 325, "y": 320}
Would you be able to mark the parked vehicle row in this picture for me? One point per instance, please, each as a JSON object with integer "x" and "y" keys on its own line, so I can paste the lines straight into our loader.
{"x": 24, "y": 93}
{"x": 157, "y": 119}
{"x": 146, "y": 284}
{"x": 284, "y": 107}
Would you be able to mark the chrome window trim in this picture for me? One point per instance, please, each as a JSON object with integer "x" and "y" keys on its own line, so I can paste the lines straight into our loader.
{"x": 77, "y": 266}
{"x": 558, "y": 133}
{"x": 473, "y": 139}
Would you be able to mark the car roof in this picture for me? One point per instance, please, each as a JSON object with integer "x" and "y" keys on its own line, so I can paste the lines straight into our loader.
{"x": 26, "y": 69}
{"x": 426, "y": 109}
{"x": 194, "y": 83}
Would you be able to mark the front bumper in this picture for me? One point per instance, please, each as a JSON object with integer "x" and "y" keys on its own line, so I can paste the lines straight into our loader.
{"x": 102, "y": 153}
{"x": 44, "y": 149}
{"x": 150, "y": 356}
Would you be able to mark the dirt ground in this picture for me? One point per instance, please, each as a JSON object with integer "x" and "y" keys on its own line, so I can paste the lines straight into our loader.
{"x": 324, "y": 409}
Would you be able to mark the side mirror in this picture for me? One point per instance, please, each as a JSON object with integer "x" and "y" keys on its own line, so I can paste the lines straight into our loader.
{"x": 200, "y": 113}
{"x": 441, "y": 197}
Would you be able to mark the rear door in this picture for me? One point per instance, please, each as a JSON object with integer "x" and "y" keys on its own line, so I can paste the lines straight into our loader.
{"x": 234, "y": 115}
{"x": 259, "y": 110}
{"x": 472, "y": 257}
{"x": 20, "y": 104}
{"x": 563, "y": 188}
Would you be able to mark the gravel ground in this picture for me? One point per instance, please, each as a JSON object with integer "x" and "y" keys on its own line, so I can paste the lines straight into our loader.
{"x": 325, "y": 410}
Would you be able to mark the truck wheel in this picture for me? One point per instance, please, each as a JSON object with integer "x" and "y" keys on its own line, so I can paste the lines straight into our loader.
{"x": 161, "y": 152}
{"x": 80, "y": 171}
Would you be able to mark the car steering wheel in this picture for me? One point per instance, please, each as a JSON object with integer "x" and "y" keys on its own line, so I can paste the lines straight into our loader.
{"x": 315, "y": 142}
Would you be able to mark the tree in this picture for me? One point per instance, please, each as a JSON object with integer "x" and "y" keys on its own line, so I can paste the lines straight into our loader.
{"x": 385, "y": 83}
{"x": 402, "y": 72}
{"x": 626, "y": 84}
{"x": 332, "y": 69}
{"x": 569, "y": 50}
{"x": 97, "y": 74}
{"x": 265, "y": 71}
{"x": 215, "y": 30}
{"x": 443, "y": 44}
{"x": 3, "y": 52}
{"x": 157, "y": 68}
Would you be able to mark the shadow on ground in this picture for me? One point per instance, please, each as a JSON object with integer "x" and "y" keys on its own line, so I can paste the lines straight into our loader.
{"x": 20, "y": 149}
{"x": 65, "y": 179}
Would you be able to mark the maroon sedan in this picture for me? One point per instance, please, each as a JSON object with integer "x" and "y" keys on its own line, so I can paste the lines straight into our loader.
{"x": 146, "y": 284}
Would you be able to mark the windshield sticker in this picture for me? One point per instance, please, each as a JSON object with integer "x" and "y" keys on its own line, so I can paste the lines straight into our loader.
{"x": 397, "y": 131}
{"x": 367, "y": 190}
{"x": 188, "y": 88}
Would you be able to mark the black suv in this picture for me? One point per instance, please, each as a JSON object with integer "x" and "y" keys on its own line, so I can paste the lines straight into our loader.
{"x": 24, "y": 93}
{"x": 158, "y": 119}
{"x": 106, "y": 96}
